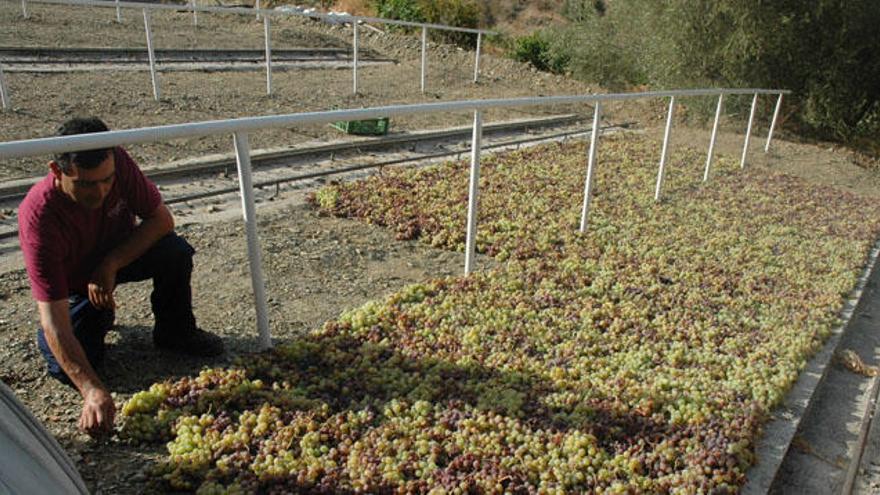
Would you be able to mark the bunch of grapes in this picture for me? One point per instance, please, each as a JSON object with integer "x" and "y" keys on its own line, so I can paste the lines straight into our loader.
{"x": 638, "y": 357}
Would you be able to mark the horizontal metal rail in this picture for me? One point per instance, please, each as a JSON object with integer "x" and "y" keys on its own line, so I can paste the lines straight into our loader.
{"x": 270, "y": 12}
{"x": 50, "y": 145}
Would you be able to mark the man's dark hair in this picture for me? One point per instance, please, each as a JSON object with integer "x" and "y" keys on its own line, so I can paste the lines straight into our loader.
{"x": 84, "y": 159}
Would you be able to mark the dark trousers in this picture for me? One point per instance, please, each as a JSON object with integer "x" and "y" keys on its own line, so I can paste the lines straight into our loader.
{"x": 169, "y": 264}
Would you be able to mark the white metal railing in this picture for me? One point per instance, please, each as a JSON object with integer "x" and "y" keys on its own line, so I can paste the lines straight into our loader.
{"x": 266, "y": 13}
{"x": 241, "y": 127}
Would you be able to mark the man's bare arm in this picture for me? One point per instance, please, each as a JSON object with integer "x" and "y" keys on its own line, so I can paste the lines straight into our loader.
{"x": 152, "y": 228}
{"x": 98, "y": 408}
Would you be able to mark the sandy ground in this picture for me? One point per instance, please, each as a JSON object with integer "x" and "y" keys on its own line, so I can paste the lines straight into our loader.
{"x": 315, "y": 266}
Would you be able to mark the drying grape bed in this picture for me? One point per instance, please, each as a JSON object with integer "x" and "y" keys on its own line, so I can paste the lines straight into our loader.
{"x": 642, "y": 356}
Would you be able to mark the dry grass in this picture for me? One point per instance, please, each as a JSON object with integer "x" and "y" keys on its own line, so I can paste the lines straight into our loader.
{"x": 519, "y": 17}
{"x": 852, "y": 362}
{"x": 356, "y": 7}
{"x": 516, "y": 17}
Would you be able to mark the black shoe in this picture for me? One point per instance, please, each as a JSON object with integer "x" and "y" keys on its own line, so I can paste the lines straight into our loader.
{"x": 194, "y": 343}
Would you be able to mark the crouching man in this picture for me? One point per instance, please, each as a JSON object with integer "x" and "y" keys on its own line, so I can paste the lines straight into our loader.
{"x": 80, "y": 238}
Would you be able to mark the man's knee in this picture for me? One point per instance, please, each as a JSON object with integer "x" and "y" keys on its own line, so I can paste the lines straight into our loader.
{"x": 173, "y": 250}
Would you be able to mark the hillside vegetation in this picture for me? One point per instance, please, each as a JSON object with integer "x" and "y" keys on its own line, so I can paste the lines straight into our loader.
{"x": 825, "y": 51}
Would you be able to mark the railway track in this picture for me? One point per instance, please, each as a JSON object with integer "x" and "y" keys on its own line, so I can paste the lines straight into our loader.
{"x": 40, "y": 59}
{"x": 204, "y": 184}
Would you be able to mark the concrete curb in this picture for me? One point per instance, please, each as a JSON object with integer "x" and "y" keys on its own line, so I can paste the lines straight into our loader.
{"x": 779, "y": 432}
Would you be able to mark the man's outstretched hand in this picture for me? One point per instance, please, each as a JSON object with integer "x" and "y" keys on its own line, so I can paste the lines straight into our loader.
{"x": 98, "y": 412}
{"x": 102, "y": 285}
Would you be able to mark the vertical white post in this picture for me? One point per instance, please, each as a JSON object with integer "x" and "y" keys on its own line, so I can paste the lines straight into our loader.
{"x": 4, "y": 91}
{"x": 662, "y": 173}
{"x": 742, "y": 163}
{"x": 477, "y": 60}
{"x": 245, "y": 184}
{"x": 591, "y": 163}
{"x": 773, "y": 123}
{"x": 268, "y": 55}
{"x": 24, "y": 8}
{"x": 714, "y": 134}
{"x": 257, "y": 8}
{"x": 195, "y": 13}
{"x": 118, "y": 13}
{"x": 424, "y": 54}
{"x": 473, "y": 191}
{"x": 156, "y": 92}
{"x": 354, "y": 55}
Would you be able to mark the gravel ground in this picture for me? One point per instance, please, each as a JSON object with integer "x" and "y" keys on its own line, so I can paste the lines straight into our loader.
{"x": 315, "y": 266}
{"x": 124, "y": 99}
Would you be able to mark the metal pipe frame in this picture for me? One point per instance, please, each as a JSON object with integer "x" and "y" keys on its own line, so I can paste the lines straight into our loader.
{"x": 742, "y": 163}
{"x": 153, "y": 76}
{"x": 354, "y": 57}
{"x": 240, "y": 128}
{"x": 773, "y": 123}
{"x": 424, "y": 55}
{"x": 243, "y": 159}
{"x": 266, "y": 31}
{"x": 661, "y": 174}
{"x": 4, "y": 91}
{"x": 58, "y": 144}
{"x": 473, "y": 191}
{"x": 714, "y": 134}
{"x": 477, "y": 58}
{"x": 591, "y": 163}
{"x": 260, "y": 11}
{"x": 354, "y": 20}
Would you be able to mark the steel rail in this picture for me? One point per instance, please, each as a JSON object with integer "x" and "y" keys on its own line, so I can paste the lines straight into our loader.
{"x": 247, "y": 11}
{"x": 18, "y": 55}
{"x": 356, "y": 168}
{"x": 50, "y": 145}
{"x": 368, "y": 166}
{"x": 17, "y": 191}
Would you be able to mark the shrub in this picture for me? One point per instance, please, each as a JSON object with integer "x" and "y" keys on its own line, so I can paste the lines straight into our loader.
{"x": 537, "y": 50}
{"x": 578, "y": 10}
{"x": 532, "y": 49}
{"x": 403, "y": 10}
{"x": 822, "y": 50}
{"x": 458, "y": 13}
